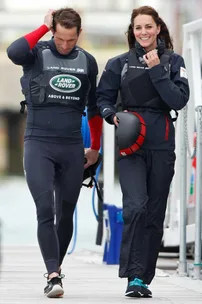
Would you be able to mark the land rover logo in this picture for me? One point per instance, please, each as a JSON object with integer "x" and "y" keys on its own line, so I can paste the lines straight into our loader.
{"x": 65, "y": 83}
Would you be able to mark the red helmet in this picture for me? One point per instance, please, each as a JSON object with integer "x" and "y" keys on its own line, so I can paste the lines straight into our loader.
{"x": 130, "y": 133}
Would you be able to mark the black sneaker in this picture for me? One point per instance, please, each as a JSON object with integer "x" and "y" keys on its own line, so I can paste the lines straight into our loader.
{"x": 134, "y": 289}
{"x": 54, "y": 288}
{"x": 146, "y": 291}
{"x": 137, "y": 289}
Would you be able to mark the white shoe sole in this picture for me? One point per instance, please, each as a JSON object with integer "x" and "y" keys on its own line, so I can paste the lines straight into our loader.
{"x": 55, "y": 292}
{"x": 133, "y": 294}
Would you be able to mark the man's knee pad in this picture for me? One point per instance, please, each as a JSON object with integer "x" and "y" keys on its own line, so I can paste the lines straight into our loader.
{"x": 45, "y": 206}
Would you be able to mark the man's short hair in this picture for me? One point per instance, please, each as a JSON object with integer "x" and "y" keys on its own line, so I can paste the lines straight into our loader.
{"x": 68, "y": 18}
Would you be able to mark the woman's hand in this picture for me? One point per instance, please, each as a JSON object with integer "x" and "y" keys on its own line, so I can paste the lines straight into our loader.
{"x": 116, "y": 121}
{"x": 151, "y": 58}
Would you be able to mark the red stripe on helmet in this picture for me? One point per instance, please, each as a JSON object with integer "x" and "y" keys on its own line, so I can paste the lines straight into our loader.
{"x": 139, "y": 142}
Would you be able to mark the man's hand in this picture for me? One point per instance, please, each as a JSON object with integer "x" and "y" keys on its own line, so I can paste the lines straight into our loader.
{"x": 48, "y": 19}
{"x": 151, "y": 58}
{"x": 91, "y": 157}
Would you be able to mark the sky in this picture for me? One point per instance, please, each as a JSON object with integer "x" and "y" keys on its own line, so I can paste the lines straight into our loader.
{"x": 36, "y": 4}
{"x": 41, "y": 5}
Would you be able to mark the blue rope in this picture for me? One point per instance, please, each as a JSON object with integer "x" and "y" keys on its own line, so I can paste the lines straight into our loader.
{"x": 94, "y": 188}
{"x": 85, "y": 130}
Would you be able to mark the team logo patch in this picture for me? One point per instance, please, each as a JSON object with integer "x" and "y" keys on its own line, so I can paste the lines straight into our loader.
{"x": 65, "y": 83}
{"x": 183, "y": 73}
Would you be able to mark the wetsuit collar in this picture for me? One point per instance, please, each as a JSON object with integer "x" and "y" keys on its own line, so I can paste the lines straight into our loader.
{"x": 140, "y": 51}
{"x": 54, "y": 50}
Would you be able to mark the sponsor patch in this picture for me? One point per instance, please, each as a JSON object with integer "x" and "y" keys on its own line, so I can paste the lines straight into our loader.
{"x": 183, "y": 72}
{"x": 65, "y": 83}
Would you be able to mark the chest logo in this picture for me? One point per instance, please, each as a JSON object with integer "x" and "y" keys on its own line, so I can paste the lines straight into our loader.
{"x": 65, "y": 83}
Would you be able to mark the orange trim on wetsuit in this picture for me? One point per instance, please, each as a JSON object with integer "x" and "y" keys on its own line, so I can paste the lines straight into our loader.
{"x": 33, "y": 37}
{"x": 95, "y": 124}
{"x": 167, "y": 128}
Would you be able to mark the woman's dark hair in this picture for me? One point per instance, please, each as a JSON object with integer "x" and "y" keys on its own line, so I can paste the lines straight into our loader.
{"x": 148, "y": 10}
{"x": 68, "y": 18}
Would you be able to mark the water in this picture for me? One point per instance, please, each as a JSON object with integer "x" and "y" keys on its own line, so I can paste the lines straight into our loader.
{"x": 18, "y": 215}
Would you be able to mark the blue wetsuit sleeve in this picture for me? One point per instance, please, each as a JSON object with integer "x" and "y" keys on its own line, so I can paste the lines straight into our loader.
{"x": 108, "y": 88}
{"x": 92, "y": 109}
{"x": 173, "y": 87}
{"x": 22, "y": 50}
{"x": 94, "y": 119}
{"x": 19, "y": 52}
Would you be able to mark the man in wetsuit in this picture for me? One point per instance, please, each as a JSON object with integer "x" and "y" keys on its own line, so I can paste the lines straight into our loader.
{"x": 59, "y": 80}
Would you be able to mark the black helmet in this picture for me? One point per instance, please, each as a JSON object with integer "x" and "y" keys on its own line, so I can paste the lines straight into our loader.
{"x": 130, "y": 132}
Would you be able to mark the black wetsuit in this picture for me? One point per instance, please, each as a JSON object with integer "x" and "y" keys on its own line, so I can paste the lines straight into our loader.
{"x": 146, "y": 175}
{"x": 57, "y": 88}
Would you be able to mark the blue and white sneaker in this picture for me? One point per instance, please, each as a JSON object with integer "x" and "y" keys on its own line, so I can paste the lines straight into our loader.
{"x": 137, "y": 289}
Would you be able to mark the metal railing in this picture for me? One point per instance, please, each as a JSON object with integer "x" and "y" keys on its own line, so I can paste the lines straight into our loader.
{"x": 192, "y": 55}
{"x": 194, "y": 271}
